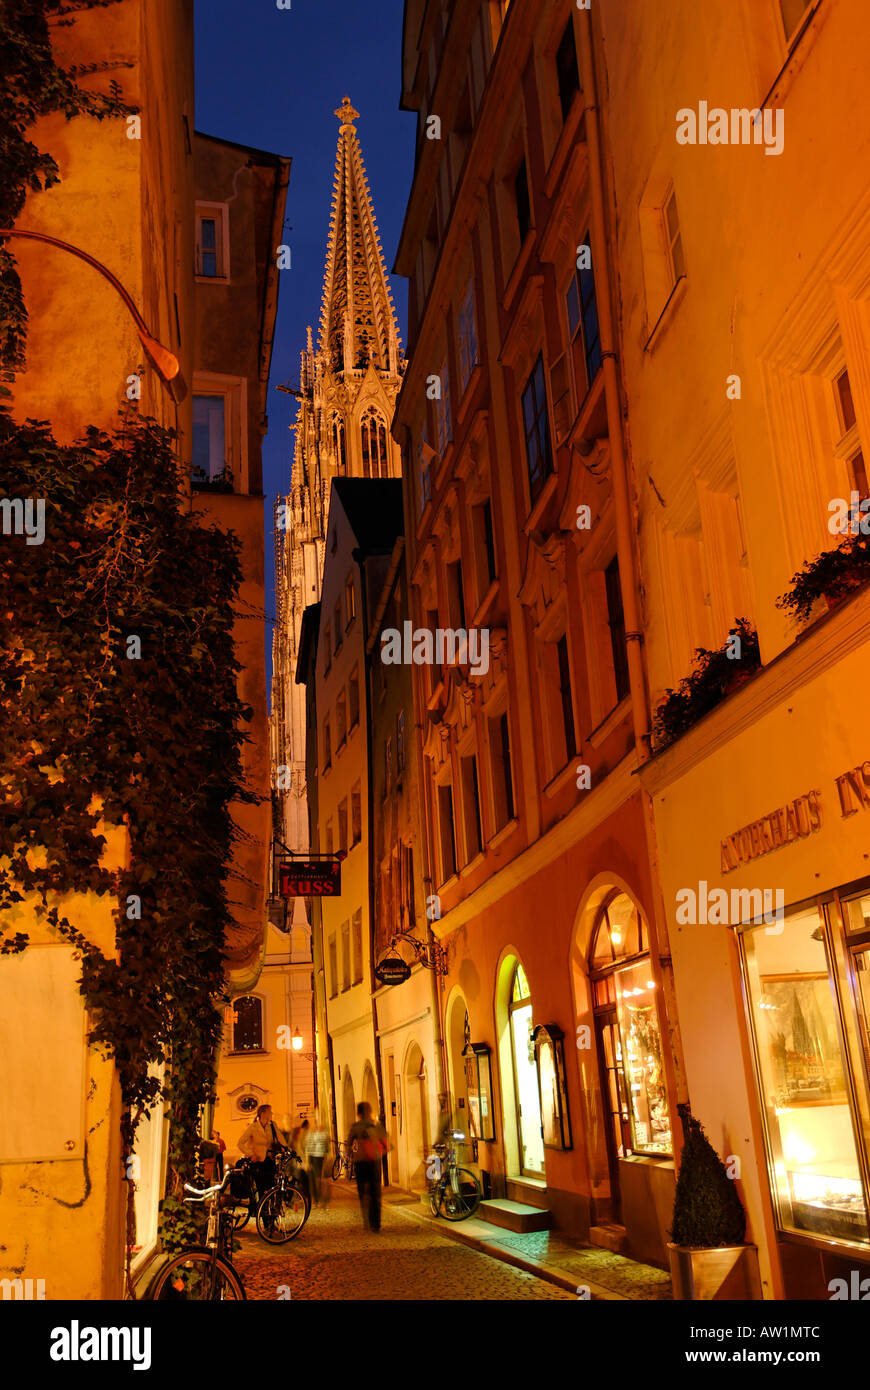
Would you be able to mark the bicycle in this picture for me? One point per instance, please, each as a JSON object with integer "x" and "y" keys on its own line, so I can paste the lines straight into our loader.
{"x": 241, "y": 1198}
{"x": 204, "y": 1272}
{"x": 286, "y": 1207}
{"x": 455, "y": 1193}
{"x": 343, "y": 1162}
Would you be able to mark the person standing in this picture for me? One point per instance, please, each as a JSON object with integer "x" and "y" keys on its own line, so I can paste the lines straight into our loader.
{"x": 316, "y": 1148}
{"x": 259, "y": 1143}
{"x": 370, "y": 1138}
{"x": 219, "y": 1161}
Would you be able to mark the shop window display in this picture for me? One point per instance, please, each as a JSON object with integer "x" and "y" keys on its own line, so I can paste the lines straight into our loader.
{"x": 802, "y": 1068}
{"x": 625, "y": 996}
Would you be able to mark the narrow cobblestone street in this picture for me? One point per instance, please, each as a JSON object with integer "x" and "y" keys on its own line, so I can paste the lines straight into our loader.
{"x": 334, "y": 1258}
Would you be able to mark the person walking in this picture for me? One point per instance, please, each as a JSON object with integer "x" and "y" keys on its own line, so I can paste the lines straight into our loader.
{"x": 259, "y": 1143}
{"x": 316, "y": 1148}
{"x": 370, "y": 1138}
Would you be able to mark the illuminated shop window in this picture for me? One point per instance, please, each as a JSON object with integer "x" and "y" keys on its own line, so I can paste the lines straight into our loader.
{"x": 805, "y": 1068}
{"x": 629, "y": 1038}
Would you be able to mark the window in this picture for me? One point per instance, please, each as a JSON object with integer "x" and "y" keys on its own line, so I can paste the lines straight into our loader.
{"x": 209, "y": 438}
{"x": 342, "y": 826}
{"x": 340, "y": 720}
{"x": 442, "y": 411}
{"x": 327, "y": 647}
{"x": 328, "y": 838}
{"x": 455, "y": 595}
{"x": 425, "y": 456}
{"x": 849, "y": 446}
{"x": 436, "y": 673}
{"x": 525, "y": 1070}
{"x": 333, "y": 967}
{"x": 357, "y": 947}
{"x": 400, "y": 741}
{"x": 792, "y": 13}
{"x": 345, "y": 956}
{"x": 521, "y": 195}
{"x": 502, "y": 773}
{"x": 628, "y": 1034}
{"x": 247, "y": 1016}
{"x": 471, "y": 807}
{"x": 566, "y": 69}
{"x": 447, "y": 840}
{"x": 673, "y": 238}
{"x": 212, "y": 241}
{"x": 336, "y": 629}
{"x": 565, "y": 697}
{"x": 388, "y": 765}
{"x": 353, "y": 698}
{"x": 355, "y": 815}
{"x": 583, "y": 327}
{"x": 802, "y": 1027}
{"x": 339, "y": 444}
{"x": 616, "y": 622}
{"x": 373, "y": 429}
{"x": 327, "y": 745}
{"x": 349, "y": 600}
{"x": 467, "y": 337}
{"x": 536, "y": 427}
{"x": 488, "y": 539}
{"x": 409, "y": 884}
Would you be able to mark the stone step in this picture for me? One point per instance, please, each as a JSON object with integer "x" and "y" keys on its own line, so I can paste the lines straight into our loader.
{"x": 609, "y": 1237}
{"x": 514, "y": 1216}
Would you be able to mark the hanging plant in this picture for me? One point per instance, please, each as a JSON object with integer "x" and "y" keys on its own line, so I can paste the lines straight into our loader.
{"x": 716, "y": 675}
{"x": 833, "y": 575}
{"x": 119, "y": 707}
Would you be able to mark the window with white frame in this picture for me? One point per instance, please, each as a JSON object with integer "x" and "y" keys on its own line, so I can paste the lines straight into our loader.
{"x": 220, "y": 432}
{"x": 212, "y": 241}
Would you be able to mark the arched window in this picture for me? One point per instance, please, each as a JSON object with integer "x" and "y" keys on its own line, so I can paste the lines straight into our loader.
{"x": 247, "y": 1014}
{"x": 339, "y": 443}
{"x": 528, "y": 1100}
{"x": 628, "y": 1034}
{"x": 374, "y": 444}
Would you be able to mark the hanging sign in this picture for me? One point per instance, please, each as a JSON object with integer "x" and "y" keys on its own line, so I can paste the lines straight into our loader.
{"x": 310, "y": 878}
{"x": 392, "y": 970}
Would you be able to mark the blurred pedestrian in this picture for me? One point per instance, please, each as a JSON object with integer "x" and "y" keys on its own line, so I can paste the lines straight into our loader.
{"x": 316, "y": 1149}
{"x": 370, "y": 1139}
{"x": 219, "y": 1160}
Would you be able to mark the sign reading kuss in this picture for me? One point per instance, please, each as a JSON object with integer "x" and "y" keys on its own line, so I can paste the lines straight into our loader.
{"x": 310, "y": 878}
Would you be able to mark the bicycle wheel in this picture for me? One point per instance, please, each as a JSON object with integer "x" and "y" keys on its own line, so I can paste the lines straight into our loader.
{"x": 338, "y": 1164}
{"x": 436, "y": 1192}
{"x": 461, "y": 1195}
{"x": 196, "y": 1275}
{"x": 282, "y": 1214}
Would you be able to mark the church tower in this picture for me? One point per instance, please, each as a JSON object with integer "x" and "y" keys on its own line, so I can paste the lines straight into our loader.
{"x": 347, "y": 395}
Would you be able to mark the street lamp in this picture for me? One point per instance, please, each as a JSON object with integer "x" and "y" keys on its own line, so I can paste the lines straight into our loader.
{"x": 297, "y": 1042}
{"x": 166, "y": 363}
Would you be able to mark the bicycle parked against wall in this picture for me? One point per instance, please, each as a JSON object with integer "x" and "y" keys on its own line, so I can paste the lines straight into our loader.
{"x": 454, "y": 1192}
{"x": 286, "y": 1207}
{"x": 343, "y": 1162}
{"x": 204, "y": 1273}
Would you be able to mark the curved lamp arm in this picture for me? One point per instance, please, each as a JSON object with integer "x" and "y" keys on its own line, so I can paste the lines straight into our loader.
{"x": 166, "y": 363}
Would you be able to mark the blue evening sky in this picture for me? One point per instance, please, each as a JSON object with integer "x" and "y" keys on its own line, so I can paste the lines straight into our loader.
{"x": 273, "y": 78}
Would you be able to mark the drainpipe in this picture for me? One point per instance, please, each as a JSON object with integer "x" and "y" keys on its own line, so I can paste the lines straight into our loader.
{"x": 625, "y": 536}
{"x": 619, "y": 466}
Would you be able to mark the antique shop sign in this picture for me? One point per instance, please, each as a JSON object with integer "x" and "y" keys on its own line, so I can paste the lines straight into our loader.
{"x": 796, "y": 820}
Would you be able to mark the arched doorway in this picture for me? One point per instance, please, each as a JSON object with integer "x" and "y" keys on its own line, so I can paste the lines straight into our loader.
{"x": 369, "y": 1089}
{"x": 457, "y": 1032}
{"x": 348, "y": 1105}
{"x": 416, "y": 1118}
{"x": 524, "y": 1143}
{"x": 627, "y": 1037}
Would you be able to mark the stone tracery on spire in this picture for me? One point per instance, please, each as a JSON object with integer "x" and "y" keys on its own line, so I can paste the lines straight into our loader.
{"x": 357, "y": 317}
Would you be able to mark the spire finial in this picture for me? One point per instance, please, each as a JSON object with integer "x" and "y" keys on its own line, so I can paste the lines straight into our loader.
{"x": 347, "y": 115}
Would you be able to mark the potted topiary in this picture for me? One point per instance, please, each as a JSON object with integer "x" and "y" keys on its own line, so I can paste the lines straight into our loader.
{"x": 709, "y": 1257}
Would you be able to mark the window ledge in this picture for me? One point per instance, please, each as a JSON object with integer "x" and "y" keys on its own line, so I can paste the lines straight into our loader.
{"x": 671, "y": 304}
{"x": 561, "y": 780}
{"x": 448, "y": 882}
{"x": 444, "y": 463}
{"x": 565, "y": 143}
{"x": 485, "y": 606}
{"x": 248, "y": 1052}
{"x": 519, "y": 269}
{"x": 544, "y": 498}
{"x": 472, "y": 864}
{"x": 501, "y": 835}
{"x": 603, "y": 731}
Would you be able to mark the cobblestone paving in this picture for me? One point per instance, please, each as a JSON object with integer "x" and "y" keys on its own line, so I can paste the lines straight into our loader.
{"x": 334, "y": 1258}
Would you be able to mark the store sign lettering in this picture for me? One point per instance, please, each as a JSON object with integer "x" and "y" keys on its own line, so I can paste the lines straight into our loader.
{"x": 794, "y": 821}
